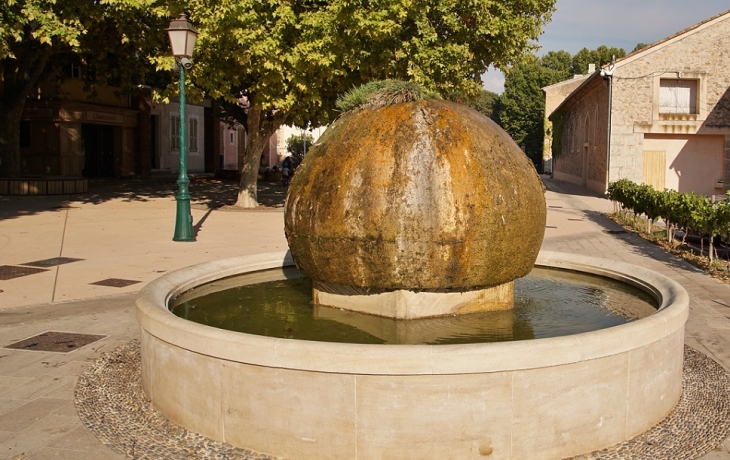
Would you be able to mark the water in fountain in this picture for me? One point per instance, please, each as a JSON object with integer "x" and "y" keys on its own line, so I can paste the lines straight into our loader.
{"x": 548, "y": 303}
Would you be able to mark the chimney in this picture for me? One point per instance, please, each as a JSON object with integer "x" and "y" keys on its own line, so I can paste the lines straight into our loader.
{"x": 591, "y": 68}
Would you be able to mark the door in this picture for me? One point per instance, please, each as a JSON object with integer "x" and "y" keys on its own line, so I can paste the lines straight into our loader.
{"x": 655, "y": 168}
{"x": 98, "y": 141}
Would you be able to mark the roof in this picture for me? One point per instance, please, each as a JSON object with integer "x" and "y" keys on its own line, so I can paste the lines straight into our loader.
{"x": 643, "y": 52}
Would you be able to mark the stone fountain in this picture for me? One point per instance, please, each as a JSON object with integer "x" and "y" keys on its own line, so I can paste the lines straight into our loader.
{"x": 414, "y": 210}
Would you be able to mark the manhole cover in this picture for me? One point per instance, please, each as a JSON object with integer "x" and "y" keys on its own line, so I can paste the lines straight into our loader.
{"x": 52, "y": 262}
{"x": 62, "y": 342}
{"x": 8, "y": 272}
{"x": 116, "y": 282}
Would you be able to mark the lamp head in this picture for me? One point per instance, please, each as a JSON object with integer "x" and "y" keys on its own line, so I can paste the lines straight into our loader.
{"x": 182, "y": 37}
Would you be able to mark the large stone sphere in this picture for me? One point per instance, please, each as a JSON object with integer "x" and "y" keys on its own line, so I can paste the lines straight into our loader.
{"x": 415, "y": 196}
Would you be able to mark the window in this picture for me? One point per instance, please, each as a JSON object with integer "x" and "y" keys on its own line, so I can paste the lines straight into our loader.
{"x": 233, "y": 139}
{"x": 175, "y": 132}
{"x": 678, "y": 96}
{"x": 193, "y": 134}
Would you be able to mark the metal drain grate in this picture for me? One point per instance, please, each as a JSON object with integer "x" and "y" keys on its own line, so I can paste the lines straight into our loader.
{"x": 579, "y": 220}
{"x": 53, "y": 262}
{"x": 61, "y": 342}
{"x": 615, "y": 232}
{"x": 115, "y": 282}
{"x": 8, "y": 272}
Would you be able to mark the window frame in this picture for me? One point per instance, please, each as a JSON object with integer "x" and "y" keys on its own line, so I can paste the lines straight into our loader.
{"x": 174, "y": 133}
{"x": 193, "y": 134}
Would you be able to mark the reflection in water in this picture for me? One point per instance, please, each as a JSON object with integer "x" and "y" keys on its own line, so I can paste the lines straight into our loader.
{"x": 548, "y": 303}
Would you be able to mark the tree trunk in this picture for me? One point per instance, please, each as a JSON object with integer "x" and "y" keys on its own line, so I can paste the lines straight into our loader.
{"x": 260, "y": 127}
{"x": 247, "y": 187}
{"x": 20, "y": 77}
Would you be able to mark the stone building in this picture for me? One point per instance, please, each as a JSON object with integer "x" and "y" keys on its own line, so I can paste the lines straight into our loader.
{"x": 69, "y": 129}
{"x": 660, "y": 115}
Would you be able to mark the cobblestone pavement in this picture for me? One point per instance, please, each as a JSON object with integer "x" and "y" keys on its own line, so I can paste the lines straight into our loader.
{"x": 124, "y": 233}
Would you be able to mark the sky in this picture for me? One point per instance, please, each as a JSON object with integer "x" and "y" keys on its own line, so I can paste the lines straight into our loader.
{"x": 615, "y": 23}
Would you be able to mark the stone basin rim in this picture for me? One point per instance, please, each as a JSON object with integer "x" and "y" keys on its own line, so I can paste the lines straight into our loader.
{"x": 156, "y": 319}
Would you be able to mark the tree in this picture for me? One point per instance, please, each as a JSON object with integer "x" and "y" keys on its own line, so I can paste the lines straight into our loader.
{"x": 559, "y": 62}
{"x": 599, "y": 56}
{"x": 274, "y": 62}
{"x": 639, "y": 46}
{"x": 522, "y": 105}
{"x": 38, "y": 36}
{"x": 485, "y": 102}
{"x": 297, "y": 146}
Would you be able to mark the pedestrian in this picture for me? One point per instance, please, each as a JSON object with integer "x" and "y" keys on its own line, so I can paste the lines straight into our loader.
{"x": 285, "y": 171}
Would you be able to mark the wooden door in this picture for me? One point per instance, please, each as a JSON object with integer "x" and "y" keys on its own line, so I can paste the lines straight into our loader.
{"x": 655, "y": 168}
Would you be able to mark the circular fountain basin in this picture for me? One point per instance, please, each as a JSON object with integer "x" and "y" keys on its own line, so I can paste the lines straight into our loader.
{"x": 544, "y": 398}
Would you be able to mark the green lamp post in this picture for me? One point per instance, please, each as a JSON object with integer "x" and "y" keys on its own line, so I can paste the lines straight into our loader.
{"x": 182, "y": 36}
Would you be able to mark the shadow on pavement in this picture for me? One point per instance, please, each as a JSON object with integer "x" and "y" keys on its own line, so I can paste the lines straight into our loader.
{"x": 205, "y": 191}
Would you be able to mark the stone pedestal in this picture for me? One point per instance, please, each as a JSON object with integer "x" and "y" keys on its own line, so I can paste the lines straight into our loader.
{"x": 405, "y": 304}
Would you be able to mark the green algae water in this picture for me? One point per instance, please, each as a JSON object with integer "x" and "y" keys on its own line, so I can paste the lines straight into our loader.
{"x": 548, "y": 303}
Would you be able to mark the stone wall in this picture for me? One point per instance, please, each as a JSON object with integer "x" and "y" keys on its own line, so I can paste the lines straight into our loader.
{"x": 582, "y": 158}
{"x": 554, "y": 96}
{"x": 701, "y": 54}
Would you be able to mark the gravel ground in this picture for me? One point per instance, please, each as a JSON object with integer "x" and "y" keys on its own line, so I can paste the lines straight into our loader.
{"x": 111, "y": 404}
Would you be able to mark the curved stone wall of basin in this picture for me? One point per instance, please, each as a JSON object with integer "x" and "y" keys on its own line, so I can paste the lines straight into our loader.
{"x": 538, "y": 399}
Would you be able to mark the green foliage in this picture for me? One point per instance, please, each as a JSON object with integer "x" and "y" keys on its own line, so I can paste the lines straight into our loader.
{"x": 484, "y": 102}
{"x": 297, "y": 57}
{"x": 291, "y": 59}
{"x": 297, "y": 145}
{"x": 381, "y": 93}
{"x": 694, "y": 213}
{"x": 522, "y": 105}
{"x": 599, "y": 56}
{"x": 559, "y": 62}
{"x": 639, "y": 46}
{"x": 558, "y": 119}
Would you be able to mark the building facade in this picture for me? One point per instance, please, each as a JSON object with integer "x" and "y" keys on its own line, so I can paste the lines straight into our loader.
{"x": 660, "y": 116}
{"x": 72, "y": 130}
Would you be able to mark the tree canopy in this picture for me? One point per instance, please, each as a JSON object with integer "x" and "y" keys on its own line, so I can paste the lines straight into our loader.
{"x": 266, "y": 62}
{"x": 599, "y": 56}
{"x": 297, "y": 145}
{"x": 522, "y": 105}
{"x": 288, "y": 60}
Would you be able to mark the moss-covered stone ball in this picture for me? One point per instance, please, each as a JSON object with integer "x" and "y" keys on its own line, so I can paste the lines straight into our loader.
{"x": 420, "y": 195}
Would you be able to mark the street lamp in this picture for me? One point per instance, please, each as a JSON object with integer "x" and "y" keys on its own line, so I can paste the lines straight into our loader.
{"x": 182, "y": 36}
